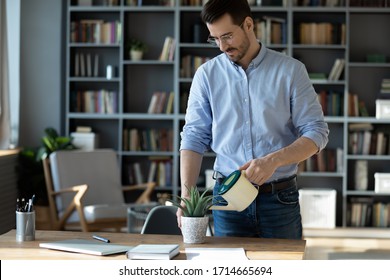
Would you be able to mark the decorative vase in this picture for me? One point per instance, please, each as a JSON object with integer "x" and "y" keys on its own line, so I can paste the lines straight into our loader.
{"x": 136, "y": 55}
{"x": 194, "y": 229}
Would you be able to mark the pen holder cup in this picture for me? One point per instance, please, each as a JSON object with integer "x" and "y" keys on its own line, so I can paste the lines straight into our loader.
{"x": 25, "y": 226}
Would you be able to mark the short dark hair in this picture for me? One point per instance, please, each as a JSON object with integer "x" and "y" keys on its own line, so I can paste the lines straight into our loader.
{"x": 237, "y": 9}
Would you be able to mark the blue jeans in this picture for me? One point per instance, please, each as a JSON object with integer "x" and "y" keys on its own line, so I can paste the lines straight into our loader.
{"x": 271, "y": 215}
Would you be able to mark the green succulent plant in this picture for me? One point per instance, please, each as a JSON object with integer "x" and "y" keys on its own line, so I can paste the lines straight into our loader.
{"x": 196, "y": 205}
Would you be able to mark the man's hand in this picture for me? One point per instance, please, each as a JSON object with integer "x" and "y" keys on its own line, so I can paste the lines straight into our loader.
{"x": 179, "y": 214}
{"x": 259, "y": 170}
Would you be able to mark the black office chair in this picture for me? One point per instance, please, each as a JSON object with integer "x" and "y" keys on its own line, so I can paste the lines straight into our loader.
{"x": 161, "y": 220}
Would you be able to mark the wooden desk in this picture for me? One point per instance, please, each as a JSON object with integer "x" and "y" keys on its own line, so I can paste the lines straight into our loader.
{"x": 264, "y": 249}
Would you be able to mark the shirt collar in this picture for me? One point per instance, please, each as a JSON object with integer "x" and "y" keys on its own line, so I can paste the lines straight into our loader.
{"x": 260, "y": 56}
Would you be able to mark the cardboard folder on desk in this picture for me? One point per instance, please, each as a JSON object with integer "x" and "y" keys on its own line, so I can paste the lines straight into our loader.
{"x": 86, "y": 247}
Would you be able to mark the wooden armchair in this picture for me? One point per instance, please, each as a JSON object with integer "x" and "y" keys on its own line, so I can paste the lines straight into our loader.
{"x": 84, "y": 190}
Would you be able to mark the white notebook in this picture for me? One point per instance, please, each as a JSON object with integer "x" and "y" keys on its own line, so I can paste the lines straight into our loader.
{"x": 153, "y": 252}
{"x": 84, "y": 246}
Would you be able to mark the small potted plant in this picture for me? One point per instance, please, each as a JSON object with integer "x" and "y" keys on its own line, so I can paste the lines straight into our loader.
{"x": 136, "y": 49}
{"x": 194, "y": 221}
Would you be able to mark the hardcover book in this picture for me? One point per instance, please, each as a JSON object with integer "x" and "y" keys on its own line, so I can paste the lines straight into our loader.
{"x": 153, "y": 252}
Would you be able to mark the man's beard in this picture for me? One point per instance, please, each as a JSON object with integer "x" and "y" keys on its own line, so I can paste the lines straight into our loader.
{"x": 241, "y": 50}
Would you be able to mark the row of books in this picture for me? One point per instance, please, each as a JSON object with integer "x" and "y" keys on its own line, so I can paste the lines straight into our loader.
{"x": 385, "y": 86}
{"x": 315, "y": 3}
{"x": 368, "y": 143}
{"x": 161, "y": 172}
{"x": 337, "y": 69}
{"x": 169, "y": 3}
{"x": 322, "y": 33}
{"x": 363, "y": 140}
{"x": 158, "y": 170}
{"x": 192, "y": 2}
{"x": 356, "y": 107}
{"x": 91, "y": 3}
{"x": 369, "y": 3}
{"x": 161, "y": 102}
{"x": 331, "y": 102}
{"x": 148, "y": 139}
{"x": 271, "y": 30}
{"x": 251, "y": 3}
{"x": 364, "y": 212}
{"x": 311, "y": 3}
{"x": 168, "y": 50}
{"x": 91, "y": 101}
{"x": 95, "y": 31}
{"x": 190, "y": 63}
{"x": 328, "y": 160}
{"x": 85, "y": 65}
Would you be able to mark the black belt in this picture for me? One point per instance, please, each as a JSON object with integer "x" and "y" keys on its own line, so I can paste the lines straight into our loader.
{"x": 269, "y": 187}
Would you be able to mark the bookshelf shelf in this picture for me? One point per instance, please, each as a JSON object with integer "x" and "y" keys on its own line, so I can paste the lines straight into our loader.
{"x": 93, "y": 79}
{"x": 136, "y": 81}
{"x": 369, "y": 65}
{"x": 367, "y": 193}
{"x": 92, "y": 116}
{"x": 321, "y": 174}
{"x": 325, "y": 47}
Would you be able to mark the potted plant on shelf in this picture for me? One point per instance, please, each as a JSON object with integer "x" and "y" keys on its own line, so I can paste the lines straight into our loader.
{"x": 194, "y": 221}
{"x": 136, "y": 49}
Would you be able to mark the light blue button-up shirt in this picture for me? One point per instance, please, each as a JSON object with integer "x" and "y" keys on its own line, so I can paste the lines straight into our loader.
{"x": 242, "y": 115}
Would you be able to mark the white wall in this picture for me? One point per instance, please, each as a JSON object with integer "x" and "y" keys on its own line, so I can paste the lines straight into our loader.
{"x": 42, "y": 24}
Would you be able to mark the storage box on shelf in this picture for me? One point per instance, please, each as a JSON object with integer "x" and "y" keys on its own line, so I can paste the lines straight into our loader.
{"x": 382, "y": 182}
{"x": 85, "y": 141}
{"x": 318, "y": 208}
{"x": 382, "y": 109}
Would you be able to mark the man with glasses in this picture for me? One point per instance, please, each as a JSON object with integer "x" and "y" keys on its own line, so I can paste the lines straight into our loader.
{"x": 258, "y": 111}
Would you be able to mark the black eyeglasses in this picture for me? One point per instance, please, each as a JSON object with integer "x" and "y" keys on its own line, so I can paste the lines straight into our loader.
{"x": 226, "y": 39}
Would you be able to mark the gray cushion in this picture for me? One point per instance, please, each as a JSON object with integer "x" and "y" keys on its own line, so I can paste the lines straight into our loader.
{"x": 99, "y": 169}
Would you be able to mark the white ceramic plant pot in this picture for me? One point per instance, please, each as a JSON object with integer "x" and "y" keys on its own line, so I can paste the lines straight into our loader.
{"x": 194, "y": 229}
{"x": 136, "y": 55}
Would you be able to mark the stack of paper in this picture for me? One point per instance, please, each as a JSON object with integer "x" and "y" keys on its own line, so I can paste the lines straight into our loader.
{"x": 153, "y": 252}
{"x": 216, "y": 254}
